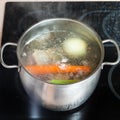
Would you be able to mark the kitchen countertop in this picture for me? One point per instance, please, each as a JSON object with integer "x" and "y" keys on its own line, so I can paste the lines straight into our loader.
{"x": 3, "y": 2}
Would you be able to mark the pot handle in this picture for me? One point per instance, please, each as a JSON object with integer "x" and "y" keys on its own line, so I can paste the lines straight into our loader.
{"x": 118, "y": 53}
{"x": 1, "y": 55}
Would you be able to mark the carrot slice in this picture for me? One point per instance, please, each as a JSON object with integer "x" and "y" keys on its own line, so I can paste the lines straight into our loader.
{"x": 46, "y": 69}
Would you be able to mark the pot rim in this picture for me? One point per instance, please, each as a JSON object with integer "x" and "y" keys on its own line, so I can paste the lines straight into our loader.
{"x": 93, "y": 32}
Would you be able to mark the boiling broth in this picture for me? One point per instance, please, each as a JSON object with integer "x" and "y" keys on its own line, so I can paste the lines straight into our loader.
{"x": 47, "y": 49}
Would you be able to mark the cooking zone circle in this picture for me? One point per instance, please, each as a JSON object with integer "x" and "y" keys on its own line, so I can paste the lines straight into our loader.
{"x": 111, "y": 25}
{"x": 114, "y": 80}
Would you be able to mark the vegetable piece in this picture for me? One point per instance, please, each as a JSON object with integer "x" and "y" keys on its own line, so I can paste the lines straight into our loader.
{"x": 75, "y": 47}
{"x": 46, "y": 69}
{"x": 63, "y": 82}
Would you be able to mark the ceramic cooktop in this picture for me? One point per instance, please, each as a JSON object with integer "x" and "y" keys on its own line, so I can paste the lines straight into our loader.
{"x": 103, "y": 17}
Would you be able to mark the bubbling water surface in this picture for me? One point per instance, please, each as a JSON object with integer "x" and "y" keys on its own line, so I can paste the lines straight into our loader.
{"x": 46, "y": 49}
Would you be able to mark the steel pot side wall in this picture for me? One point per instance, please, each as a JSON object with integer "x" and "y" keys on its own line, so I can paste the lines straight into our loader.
{"x": 59, "y": 97}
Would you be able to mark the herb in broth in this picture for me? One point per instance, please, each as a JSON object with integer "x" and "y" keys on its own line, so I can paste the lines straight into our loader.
{"x": 63, "y": 82}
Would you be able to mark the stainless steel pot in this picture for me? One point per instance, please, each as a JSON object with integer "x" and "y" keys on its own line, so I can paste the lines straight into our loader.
{"x": 59, "y": 97}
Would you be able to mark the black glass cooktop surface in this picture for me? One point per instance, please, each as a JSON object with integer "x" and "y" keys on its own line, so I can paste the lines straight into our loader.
{"x": 103, "y": 17}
